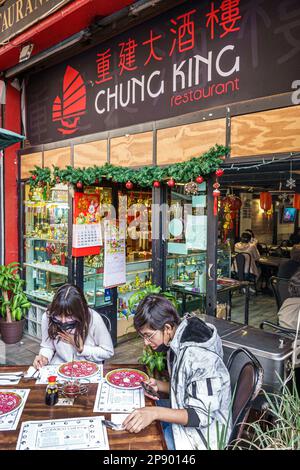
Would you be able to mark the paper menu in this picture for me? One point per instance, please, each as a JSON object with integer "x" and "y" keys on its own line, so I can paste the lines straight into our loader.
{"x": 86, "y": 433}
{"x": 10, "y": 422}
{"x": 114, "y": 400}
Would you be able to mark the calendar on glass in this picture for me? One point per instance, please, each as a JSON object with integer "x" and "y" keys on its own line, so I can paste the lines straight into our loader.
{"x": 87, "y": 236}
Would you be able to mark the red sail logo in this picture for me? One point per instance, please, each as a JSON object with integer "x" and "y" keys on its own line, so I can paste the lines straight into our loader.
{"x": 68, "y": 109}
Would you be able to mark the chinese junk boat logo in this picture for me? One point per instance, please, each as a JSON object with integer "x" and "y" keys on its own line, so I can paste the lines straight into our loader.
{"x": 72, "y": 105}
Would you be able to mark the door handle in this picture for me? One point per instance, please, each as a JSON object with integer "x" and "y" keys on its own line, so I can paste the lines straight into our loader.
{"x": 210, "y": 266}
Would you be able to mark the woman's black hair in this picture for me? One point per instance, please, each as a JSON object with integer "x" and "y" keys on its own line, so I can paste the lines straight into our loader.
{"x": 250, "y": 231}
{"x": 294, "y": 285}
{"x": 245, "y": 237}
{"x": 69, "y": 301}
{"x": 155, "y": 311}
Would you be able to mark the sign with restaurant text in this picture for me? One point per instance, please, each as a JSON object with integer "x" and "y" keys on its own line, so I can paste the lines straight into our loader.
{"x": 114, "y": 254}
{"x": 18, "y": 15}
{"x": 196, "y": 56}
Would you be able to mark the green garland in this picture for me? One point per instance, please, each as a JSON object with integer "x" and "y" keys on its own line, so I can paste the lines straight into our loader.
{"x": 145, "y": 176}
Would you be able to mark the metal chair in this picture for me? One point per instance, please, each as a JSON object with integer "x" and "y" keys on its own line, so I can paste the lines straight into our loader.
{"x": 242, "y": 261}
{"x": 106, "y": 321}
{"x": 246, "y": 375}
{"x": 280, "y": 289}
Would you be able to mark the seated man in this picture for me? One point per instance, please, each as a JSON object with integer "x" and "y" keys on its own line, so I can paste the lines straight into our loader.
{"x": 290, "y": 266}
{"x": 289, "y": 310}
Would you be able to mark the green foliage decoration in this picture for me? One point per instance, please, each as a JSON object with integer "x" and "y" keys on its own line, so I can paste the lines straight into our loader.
{"x": 183, "y": 172}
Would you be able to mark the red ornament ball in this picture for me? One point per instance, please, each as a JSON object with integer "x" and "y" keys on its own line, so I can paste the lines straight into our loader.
{"x": 79, "y": 185}
{"x": 33, "y": 177}
{"x": 220, "y": 172}
{"x": 57, "y": 179}
{"x": 156, "y": 184}
{"x": 199, "y": 179}
{"x": 171, "y": 183}
{"x": 129, "y": 185}
{"x": 96, "y": 181}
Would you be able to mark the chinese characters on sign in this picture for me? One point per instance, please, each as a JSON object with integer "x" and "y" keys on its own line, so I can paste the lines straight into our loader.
{"x": 193, "y": 57}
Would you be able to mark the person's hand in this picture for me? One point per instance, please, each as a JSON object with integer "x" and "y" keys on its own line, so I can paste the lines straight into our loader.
{"x": 139, "y": 419}
{"x": 153, "y": 384}
{"x": 40, "y": 361}
{"x": 69, "y": 338}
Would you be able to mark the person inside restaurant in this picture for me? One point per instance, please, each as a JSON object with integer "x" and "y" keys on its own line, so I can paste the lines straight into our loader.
{"x": 199, "y": 386}
{"x": 71, "y": 330}
{"x": 290, "y": 309}
{"x": 253, "y": 240}
{"x": 295, "y": 237}
{"x": 245, "y": 246}
{"x": 290, "y": 266}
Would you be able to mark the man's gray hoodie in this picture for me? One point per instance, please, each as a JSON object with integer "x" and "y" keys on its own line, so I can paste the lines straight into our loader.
{"x": 200, "y": 383}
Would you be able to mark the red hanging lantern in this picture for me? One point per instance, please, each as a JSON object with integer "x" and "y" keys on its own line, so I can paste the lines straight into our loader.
{"x": 265, "y": 201}
{"x": 296, "y": 202}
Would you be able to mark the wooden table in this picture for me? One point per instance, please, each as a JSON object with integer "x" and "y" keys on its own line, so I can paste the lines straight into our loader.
{"x": 151, "y": 438}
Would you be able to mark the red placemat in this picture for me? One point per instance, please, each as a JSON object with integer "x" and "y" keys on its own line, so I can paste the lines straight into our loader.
{"x": 126, "y": 378}
{"x": 78, "y": 369}
{"x": 9, "y": 402}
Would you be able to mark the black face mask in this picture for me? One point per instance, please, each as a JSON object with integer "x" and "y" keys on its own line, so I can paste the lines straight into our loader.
{"x": 162, "y": 348}
{"x": 69, "y": 325}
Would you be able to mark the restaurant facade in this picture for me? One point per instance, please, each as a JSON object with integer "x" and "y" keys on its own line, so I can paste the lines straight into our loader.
{"x": 215, "y": 81}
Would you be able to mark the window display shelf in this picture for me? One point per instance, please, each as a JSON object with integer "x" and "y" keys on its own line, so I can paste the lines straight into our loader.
{"x": 62, "y": 270}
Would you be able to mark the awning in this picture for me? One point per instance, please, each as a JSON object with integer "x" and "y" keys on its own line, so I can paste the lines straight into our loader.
{"x": 8, "y": 138}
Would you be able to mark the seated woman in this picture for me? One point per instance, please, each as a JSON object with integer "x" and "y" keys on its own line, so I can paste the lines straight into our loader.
{"x": 289, "y": 310}
{"x": 199, "y": 387}
{"x": 253, "y": 240}
{"x": 245, "y": 246}
{"x": 71, "y": 329}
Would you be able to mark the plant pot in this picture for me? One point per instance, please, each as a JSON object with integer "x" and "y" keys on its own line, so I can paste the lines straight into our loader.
{"x": 11, "y": 333}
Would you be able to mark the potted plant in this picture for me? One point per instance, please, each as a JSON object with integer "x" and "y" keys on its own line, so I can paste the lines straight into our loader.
{"x": 154, "y": 362}
{"x": 13, "y": 303}
{"x": 279, "y": 426}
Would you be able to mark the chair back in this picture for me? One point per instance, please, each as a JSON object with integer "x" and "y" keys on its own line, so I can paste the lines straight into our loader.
{"x": 242, "y": 262}
{"x": 262, "y": 249}
{"x": 106, "y": 321}
{"x": 246, "y": 375}
{"x": 280, "y": 289}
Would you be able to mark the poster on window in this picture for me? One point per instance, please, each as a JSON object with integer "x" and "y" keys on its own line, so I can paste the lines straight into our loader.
{"x": 196, "y": 232}
{"x": 114, "y": 254}
{"x": 87, "y": 236}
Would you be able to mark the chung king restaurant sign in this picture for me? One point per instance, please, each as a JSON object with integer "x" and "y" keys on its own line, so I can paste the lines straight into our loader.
{"x": 199, "y": 55}
{"x": 18, "y": 15}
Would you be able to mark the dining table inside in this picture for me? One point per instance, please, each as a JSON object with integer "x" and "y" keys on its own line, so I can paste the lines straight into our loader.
{"x": 150, "y": 438}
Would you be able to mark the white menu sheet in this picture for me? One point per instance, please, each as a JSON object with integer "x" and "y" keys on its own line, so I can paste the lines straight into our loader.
{"x": 115, "y": 400}
{"x": 64, "y": 434}
{"x": 10, "y": 422}
{"x": 52, "y": 369}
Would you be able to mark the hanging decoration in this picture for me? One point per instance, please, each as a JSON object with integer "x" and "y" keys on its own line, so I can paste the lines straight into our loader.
{"x": 265, "y": 201}
{"x": 191, "y": 188}
{"x": 216, "y": 195}
{"x": 291, "y": 182}
{"x": 296, "y": 202}
{"x": 231, "y": 206}
{"x": 205, "y": 165}
{"x": 171, "y": 183}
